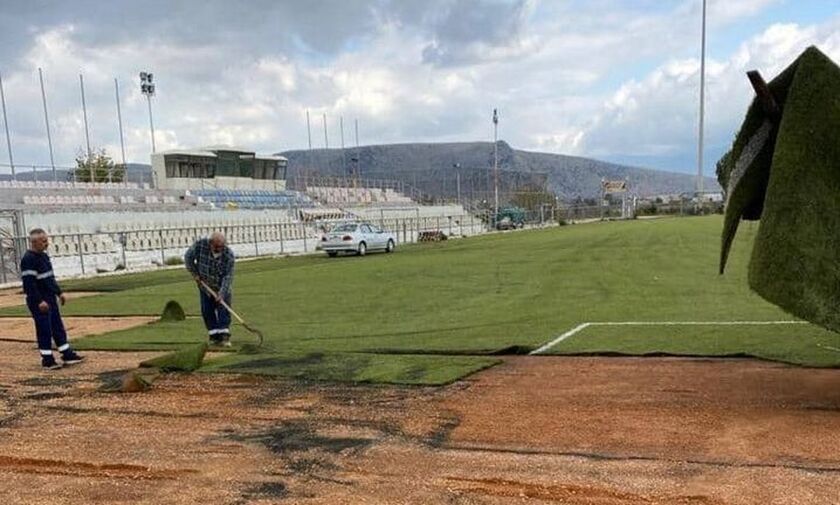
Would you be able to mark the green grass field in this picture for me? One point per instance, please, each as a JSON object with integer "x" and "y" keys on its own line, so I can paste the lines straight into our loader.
{"x": 423, "y": 315}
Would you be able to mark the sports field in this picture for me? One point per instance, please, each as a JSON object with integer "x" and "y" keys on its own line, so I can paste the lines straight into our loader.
{"x": 587, "y": 429}
{"x": 433, "y": 313}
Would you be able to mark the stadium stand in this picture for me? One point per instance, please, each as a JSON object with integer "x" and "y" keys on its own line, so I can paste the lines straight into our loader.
{"x": 253, "y": 199}
{"x": 331, "y": 195}
{"x": 64, "y": 196}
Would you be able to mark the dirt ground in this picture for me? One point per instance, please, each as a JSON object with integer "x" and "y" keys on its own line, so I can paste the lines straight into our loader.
{"x": 593, "y": 431}
{"x": 22, "y": 328}
{"x": 14, "y": 297}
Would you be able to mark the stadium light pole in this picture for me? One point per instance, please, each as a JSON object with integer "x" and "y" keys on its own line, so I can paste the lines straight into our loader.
{"x": 496, "y": 161}
{"x": 457, "y": 167}
{"x": 120, "y": 126}
{"x": 702, "y": 103}
{"x": 147, "y": 88}
{"x": 47, "y": 121}
{"x": 343, "y": 156}
{"x": 309, "y": 152}
{"x": 326, "y": 138}
{"x": 6, "y": 124}
{"x": 87, "y": 133}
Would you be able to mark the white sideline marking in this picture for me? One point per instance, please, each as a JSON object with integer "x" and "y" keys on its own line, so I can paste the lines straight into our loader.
{"x": 583, "y": 326}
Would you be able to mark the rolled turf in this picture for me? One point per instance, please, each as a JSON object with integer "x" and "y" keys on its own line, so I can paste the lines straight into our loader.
{"x": 787, "y": 173}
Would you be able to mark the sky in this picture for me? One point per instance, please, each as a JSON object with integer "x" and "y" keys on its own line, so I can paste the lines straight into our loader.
{"x": 616, "y": 80}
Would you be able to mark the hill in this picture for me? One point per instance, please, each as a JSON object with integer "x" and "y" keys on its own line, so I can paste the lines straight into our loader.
{"x": 431, "y": 168}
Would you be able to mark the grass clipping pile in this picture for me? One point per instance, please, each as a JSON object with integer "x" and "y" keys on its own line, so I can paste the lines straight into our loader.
{"x": 784, "y": 168}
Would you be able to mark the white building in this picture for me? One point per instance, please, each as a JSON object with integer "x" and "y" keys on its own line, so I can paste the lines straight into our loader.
{"x": 223, "y": 167}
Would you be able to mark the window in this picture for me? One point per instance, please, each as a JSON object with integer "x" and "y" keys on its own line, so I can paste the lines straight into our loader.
{"x": 365, "y": 228}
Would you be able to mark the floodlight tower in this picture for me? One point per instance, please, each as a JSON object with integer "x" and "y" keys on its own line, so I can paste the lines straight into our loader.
{"x": 496, "y": 162}
{"x": 702, "y": 104}
{"x": 147, "y": 87}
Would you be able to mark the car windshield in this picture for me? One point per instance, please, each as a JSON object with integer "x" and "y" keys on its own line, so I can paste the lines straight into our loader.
{"x": 344, "y": 228}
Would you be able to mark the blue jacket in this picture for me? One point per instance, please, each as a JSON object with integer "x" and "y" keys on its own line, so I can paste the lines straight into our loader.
{"x": 216, "y": 272}
{"x": 39, "y": 282}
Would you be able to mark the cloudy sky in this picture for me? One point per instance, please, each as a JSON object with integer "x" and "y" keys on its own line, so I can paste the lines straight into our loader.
{"x": 610, "y": 79}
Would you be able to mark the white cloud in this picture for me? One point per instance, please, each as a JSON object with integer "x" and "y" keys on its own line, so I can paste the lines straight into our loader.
{"x": 564, "y": 75}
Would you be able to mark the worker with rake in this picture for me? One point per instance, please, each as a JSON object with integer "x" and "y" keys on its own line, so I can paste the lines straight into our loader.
{"x": 210, "y": 262}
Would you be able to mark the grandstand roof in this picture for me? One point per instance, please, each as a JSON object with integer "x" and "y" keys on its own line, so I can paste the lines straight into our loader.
{"x": 190, "y": 152}
{"x": 235, "y": 149}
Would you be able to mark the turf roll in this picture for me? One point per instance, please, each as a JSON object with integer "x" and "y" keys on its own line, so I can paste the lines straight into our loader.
{"x": 785, "y": 171}
{"x": 173, "y": 312}
{"x": 186, "y": 359}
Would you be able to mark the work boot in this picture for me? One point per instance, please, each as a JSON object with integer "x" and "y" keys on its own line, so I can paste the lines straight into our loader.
{"x": 49, "y": 363}
{"x": 216, "y": 340}
{"x": 226, "y": 340}
{"x": 69, "y": 357}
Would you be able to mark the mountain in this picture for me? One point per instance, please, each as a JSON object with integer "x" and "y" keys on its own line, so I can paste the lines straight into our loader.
{"x": 432, "y": 169}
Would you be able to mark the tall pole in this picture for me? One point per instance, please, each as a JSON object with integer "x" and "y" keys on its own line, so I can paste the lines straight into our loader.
{"x": 47, "y": 120}
{"x": 358, "y": 158}
{"x": 87, "y": 133}
{"x": 308, "y": 130}
{"x": 309, "y": 153}
{"x": 151, "y": 122}
{"x": 496, "y": 161}
{"x": 6, "y": 123}
{"x": 326, "y": 139}
{"x": 147, "y": 87}
{"x": 702, "y": 104}
{"x": 343, "y": 157}
{"x": 120, "y": 126}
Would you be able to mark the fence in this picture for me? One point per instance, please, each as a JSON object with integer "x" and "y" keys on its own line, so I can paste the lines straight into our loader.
{"x": 142, "y": 249}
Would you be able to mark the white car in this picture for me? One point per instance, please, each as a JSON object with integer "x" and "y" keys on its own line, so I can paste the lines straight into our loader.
{"x": 358, "y": 238}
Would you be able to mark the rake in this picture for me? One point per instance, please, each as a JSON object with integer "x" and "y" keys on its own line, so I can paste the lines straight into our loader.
{"x": 253, "y": 330}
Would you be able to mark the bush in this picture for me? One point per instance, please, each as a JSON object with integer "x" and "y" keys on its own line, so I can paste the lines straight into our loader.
{"x": 174, "y": 260}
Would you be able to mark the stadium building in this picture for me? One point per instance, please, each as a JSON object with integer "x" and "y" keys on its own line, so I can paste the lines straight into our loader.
{"x": 220, "y": 167}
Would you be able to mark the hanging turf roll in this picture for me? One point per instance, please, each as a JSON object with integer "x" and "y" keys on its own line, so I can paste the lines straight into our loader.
{"x": 784, "y": 169}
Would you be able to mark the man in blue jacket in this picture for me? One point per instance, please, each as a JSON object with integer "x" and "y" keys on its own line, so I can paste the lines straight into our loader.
{"x": 211, "y": 261}
{"x": 42, "y": 298}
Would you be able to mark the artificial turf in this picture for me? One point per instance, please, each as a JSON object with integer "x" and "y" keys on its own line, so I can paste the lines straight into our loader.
{"x": 793, "y": 186}
{"x": 796, "y": 344}
{"x": 473, "y": 296}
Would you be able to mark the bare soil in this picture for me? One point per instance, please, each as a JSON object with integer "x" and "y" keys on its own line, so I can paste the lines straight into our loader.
{"x": 22, "y": 328}
{"x": 14, "y": 297}
{"x": 612, "y": 431}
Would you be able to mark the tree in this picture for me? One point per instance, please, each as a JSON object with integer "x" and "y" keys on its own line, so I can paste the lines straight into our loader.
{"x": 98, "y": 164}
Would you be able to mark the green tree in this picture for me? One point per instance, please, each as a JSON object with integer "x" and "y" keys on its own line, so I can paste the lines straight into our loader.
{"x": 99, "y": 165}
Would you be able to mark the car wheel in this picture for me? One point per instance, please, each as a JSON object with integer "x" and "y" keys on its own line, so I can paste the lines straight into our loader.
{"x": 332, "y": 254}
{"x": 362, "y": 248}
{"x": 390, "y": 247}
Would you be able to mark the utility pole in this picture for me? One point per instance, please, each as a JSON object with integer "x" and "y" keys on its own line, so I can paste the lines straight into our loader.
{"x": 6, "y": 123}
{"x": 47, "y": 121}
{"x": 702, "y": 104}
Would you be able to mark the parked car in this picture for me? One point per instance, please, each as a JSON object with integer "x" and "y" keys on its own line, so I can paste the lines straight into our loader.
{"x": 357, "y": 238}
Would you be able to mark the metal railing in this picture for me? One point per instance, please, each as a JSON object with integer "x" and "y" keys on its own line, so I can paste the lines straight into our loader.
{"x": 84, "y": 254}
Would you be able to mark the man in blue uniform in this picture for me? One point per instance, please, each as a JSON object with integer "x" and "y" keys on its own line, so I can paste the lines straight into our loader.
{"x": 42, "y": 298}
{"x": 210, "y": 261}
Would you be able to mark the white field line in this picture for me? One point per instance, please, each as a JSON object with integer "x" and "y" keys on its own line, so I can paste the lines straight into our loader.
{"x": 583, "y": 326}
